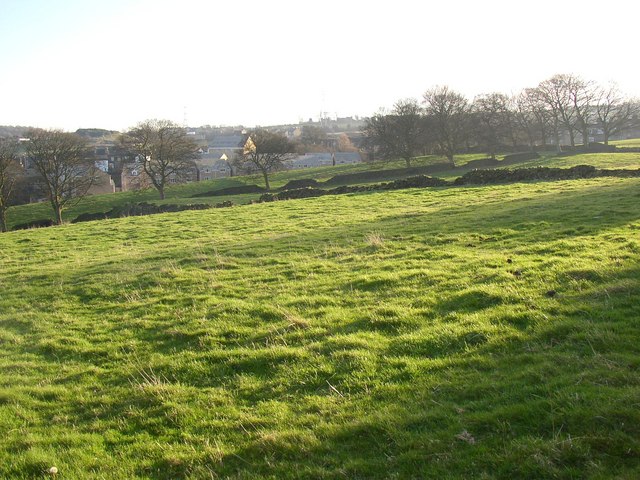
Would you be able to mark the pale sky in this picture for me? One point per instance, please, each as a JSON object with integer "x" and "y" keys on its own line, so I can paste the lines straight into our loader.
{"x": 110, "y": 64}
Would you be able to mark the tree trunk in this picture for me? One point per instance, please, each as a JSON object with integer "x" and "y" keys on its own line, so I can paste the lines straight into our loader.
{"x": 585, "y": 137}
{"x": 161, "y": 192}
{"x": 265, "y": 174}
{"x": 3, "y": 219}
{"x": 58, "y": 211}
{"x": 543, "y": 134}
{"x": 556, "y": 136}
{"x": 408, "y": 162}
{"x": 532, "y": 140}
{"x": 450, "y": 158}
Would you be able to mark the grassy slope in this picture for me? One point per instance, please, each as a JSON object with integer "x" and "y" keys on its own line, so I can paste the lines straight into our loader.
{"x": 182, "y": 194}
{"x": 631, "y": 142}
{"x": 360, "y": 336}
{"x": 600, "y": 160}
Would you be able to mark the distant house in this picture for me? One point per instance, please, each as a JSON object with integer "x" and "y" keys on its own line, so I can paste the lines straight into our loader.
{"x": 210, "y": 166}
{"x": 211, "y": 163}
{"x": 104, "y": 183}
{"x": 133, "y": 177}
{"x": 110, "y": 158}
{"x": 293, "y": 133}
{"x": 31, "y": 188}
{"x": 226, "y": 144}
{"x": 198, "y": 138}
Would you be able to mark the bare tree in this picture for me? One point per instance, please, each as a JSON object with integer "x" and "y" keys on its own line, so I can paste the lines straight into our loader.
{"x": 492, "y": 115}
{"x": 65, "y": 165}
{"x": 8, "y": 173}
{"x": 511, "y": 130}
{"x": 582, "y": 94}
{"x": 532, "y": 116}
{"x": 265, "y": 151}
{"x": 399, "y": 133}
{"x": 448, "y": 111}
{"x": 556, "y": 93}
{"x": 613, "y": 111}
{"x": 164, "y": 150}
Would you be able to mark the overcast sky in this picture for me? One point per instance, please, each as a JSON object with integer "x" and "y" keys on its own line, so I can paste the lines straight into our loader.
{"x": 110, "y": 64}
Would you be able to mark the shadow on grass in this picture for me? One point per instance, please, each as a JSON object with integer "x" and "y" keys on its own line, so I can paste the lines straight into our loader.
{"x": 550, "y": 402}
{"x": 551, "y": 399}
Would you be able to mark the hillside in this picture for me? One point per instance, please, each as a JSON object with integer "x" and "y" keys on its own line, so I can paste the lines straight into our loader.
{"x": 444, "y": 333}
{"x": 191, "y": 193}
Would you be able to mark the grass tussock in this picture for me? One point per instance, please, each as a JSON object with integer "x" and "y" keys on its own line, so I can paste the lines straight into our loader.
{"x": 375, "y": 240}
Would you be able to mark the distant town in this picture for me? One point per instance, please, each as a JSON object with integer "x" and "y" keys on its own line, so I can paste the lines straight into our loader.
{"x": 324, "y": 142}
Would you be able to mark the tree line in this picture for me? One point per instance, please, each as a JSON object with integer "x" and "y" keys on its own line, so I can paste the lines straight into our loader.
{"x": 446, "y": 122}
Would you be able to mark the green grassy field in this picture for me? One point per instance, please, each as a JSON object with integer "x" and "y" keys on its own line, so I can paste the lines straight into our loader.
{"x": 182, "y": 194}
{"x": 599, "y": 160}
{"x": 437, "y": 333}
{"x": 631, "y": 142}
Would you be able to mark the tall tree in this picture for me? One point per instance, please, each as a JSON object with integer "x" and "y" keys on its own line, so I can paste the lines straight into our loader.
{"x": 165, "y": 151}
{"x": 555, "y": 92}
{"x": 265, "y": 151}
{"x": 531, "y": 116}
{"x": 8, "y": 174}
{"x": 613, "y": 111}
{"x": 492, "y": 115}
{"x": 511, "y": 131}
{"x": 399, "y": 133}
{"x": 582, "y": 94}
{"x": 448, "y": 111}
{"x": 65, "y": 164}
